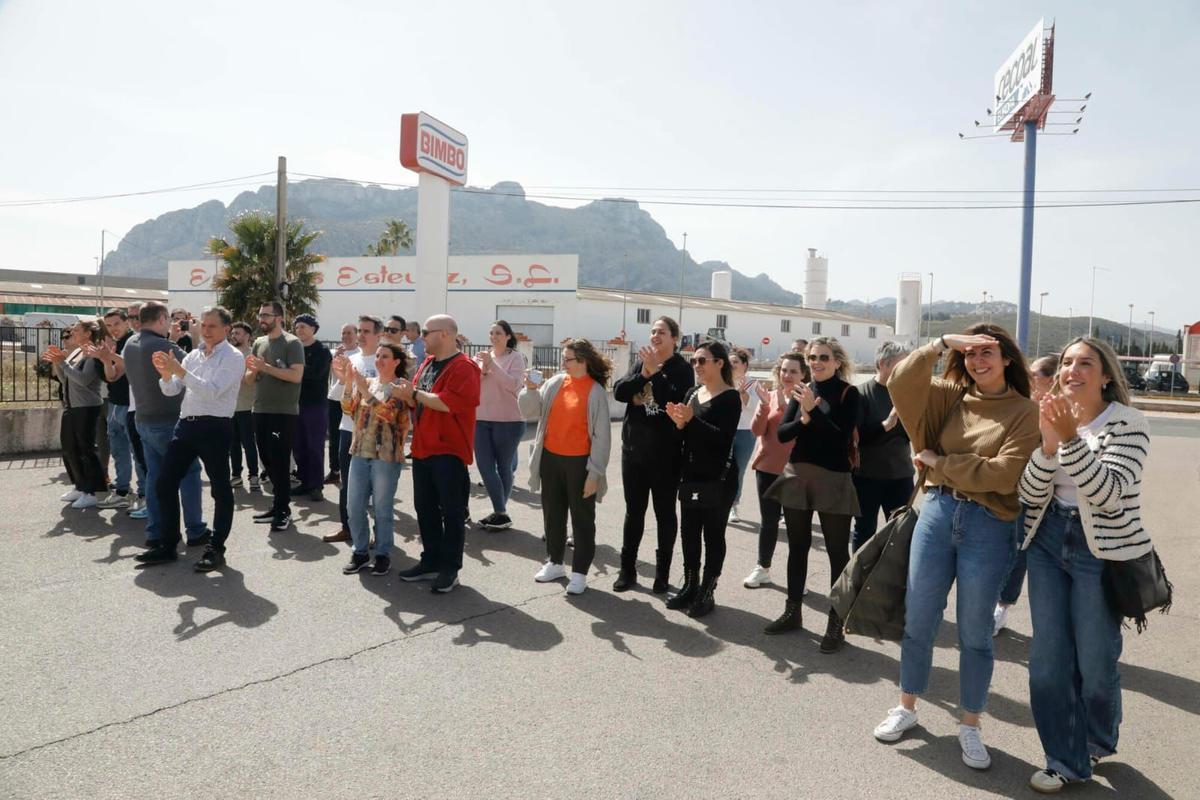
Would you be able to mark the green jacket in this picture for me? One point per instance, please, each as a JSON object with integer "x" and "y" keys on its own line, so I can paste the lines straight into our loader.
{"x": 869, "y": 594}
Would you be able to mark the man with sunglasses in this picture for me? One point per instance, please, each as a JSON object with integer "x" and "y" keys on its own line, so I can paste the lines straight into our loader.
{"x": 394, "y": 329}
{"x": 363, "y": 360}
{"x": 276, "y": 365}
{"x": 443, "y": 397}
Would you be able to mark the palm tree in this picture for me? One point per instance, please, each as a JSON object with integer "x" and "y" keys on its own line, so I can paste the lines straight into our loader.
{"x": 248, "y": 278}
{"x": 396, "y": 236}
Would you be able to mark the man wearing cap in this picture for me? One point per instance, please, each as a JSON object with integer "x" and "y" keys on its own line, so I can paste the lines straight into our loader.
{"x": 309, "y": 445}
{"x": 276, "y": 364}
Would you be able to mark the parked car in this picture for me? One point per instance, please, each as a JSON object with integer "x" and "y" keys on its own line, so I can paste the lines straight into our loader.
{"x": 1160, "y": 376}
{"x": 1136, "y": 382}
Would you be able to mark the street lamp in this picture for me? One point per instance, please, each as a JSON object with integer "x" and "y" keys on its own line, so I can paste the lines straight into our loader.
{"x": 1151, "y": 334}
{"x": 1037, "y": 350}
{"x": 1129, "y": 345}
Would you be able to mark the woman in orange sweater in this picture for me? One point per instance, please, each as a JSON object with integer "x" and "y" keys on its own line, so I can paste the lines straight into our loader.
{"x": 968, "y": 527}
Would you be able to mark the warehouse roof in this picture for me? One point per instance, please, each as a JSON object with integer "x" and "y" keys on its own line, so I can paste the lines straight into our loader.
{"x": 749, "y": 306}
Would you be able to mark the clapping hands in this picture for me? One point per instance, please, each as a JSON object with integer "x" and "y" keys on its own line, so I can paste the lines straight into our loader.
{"x": 680, "y": 413}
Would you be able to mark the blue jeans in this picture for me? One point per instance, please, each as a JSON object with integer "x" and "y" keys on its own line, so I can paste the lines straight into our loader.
{"x": 1074, "y": 687}
{"x": 155, "y": 437}
{"x": 1011, "y": 592}
{"x": 372, "y": 477}
{"x": 743, "y": 448}
{"x": 955, "y": 539}
{"x": 495, "y": 455}
{"x": 119, "y": 446}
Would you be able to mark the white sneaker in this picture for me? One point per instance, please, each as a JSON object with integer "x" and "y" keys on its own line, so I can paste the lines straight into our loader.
{"x": 733, "y": 515}
{"x": 86, "y": 501}
{"x": 114, "y": 500}
{"x": 899, "y": 720}
{"x": 577, "y": 583}
{"x": 550, "y": 572}
{"x": 974, "y": 754}
{"x": 760, "y": 576}
{"x": 1047, "y": 781}
{"x": 71, "y": 496}
{"x": 999, "y": 619}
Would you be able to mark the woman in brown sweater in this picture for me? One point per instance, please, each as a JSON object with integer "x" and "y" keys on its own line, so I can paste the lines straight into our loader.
{"x": 967, "y": 532}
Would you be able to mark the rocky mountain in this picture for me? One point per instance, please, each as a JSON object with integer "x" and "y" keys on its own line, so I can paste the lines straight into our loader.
{"x": 617, "y": 241}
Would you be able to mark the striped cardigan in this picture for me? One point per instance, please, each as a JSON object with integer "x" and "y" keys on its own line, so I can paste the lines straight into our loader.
{"x": 1109, "y": 485}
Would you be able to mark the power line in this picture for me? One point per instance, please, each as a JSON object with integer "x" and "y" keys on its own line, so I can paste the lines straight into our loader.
{"x": 227, "y": 183}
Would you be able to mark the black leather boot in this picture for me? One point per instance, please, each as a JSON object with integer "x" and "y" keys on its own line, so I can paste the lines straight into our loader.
{"x": 687, "y": 592}
{"x": 834, "y": 636}
{"x": 627, "y": 577}
{"x": 704, "y": 603}
{"x": 662, "y": 573}
{"x": 789, "y": 621}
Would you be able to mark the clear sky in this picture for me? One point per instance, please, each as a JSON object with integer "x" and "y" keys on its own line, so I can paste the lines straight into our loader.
{"x": 837, "y": 98}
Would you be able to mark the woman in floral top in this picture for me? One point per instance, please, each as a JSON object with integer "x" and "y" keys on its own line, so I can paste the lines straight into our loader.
{"x": 376, "y": 452}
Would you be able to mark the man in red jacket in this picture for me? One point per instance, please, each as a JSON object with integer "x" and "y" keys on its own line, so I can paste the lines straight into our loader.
{"x": 443, "y": 396}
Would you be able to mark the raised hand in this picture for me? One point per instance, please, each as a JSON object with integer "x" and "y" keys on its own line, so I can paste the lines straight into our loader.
{"x": 650, "y": 362}
{"x": 680, "y": 413}
{"x": 805, "y": 397}
{"x": 1057, "y": 413}
{"x": 764, "y": 394}
{"x": 961, "y": 341}
{"x": 255, "y": 364}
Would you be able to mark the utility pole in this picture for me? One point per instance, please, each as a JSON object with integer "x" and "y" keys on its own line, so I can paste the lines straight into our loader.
{"x": 625, "y": 297}
{"x": 281, "y": 230}
{"x": 1037, "y": 352}
{"x": 1151, "y": 334}
{"x": 929, "y": 326}
{"x": 100, "y": 270}
{"x": 682, "y": 264}
{"x": 1129, "y": 347}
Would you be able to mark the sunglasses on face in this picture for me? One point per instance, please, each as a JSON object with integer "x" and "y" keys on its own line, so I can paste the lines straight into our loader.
{"x": 700, "y": 361}
{"x": 392, "y": 329}
{"x": 425, "y": 332}
{"x": 822, "y": 357}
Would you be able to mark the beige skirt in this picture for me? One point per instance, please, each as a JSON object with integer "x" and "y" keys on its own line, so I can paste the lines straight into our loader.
{"x": 809, "y": 487}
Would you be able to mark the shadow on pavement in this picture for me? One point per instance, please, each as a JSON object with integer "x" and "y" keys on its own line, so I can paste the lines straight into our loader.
{"x": 482, "y": 621}
{"x": 223, "y": 591}
{"x": 619, "y": 617}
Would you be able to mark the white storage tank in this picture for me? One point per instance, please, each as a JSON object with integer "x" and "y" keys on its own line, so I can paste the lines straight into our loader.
{"x": 908, "y": 308}
{"x": 722, "y": 285}
{"x": 816, "y": 280}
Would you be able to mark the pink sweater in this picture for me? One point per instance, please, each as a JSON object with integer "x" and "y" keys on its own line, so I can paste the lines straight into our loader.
{"x": 770, "y": 455}
{"x": 502, "y": 382}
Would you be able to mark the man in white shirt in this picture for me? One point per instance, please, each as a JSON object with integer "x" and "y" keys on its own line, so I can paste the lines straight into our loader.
{"x": 369, "y": 331}
{"x": 212, "y": 375}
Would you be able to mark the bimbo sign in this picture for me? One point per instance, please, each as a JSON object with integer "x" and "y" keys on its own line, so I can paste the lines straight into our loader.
{"x": 428, "y": 145}
{"x": 1020, "y": 77}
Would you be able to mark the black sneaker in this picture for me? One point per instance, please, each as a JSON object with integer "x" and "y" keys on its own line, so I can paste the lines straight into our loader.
{"x": 418, "y": 572}
{"x": 209, "y": 561}
{"x": 358, "y": 562}
{"x": 316, "y": 495}
{"x": 382, "y": 565}
{"x": 158, "y": 554}
{"x": 264, "y": 517}
{"x": 445, "y": 582}
{"x": 497, "y": 522}
{"x": 203, "y": 538}
{"x": 486, "y": 521}
{"x": 281, "y": 523}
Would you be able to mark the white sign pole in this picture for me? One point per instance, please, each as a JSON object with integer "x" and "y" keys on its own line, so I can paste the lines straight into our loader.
{"x": 433, "y": 244}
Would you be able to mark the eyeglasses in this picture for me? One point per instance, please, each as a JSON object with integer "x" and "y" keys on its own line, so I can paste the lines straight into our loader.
{"x": 392, "y": 329}
{"x": 822, "y": 357}
{"x": 268, "y": 316}
{"x": 425, "y": 332}
{"x": 700, "y": 360}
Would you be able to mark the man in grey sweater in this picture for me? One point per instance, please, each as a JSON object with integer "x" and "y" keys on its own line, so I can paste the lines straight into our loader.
{"x": 156, "y": 418}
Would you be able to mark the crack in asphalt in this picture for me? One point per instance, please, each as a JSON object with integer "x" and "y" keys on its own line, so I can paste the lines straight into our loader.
{"x": 263, "y": 681}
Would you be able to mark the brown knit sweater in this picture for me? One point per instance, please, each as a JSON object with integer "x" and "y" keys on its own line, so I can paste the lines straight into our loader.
{"x": 986, "y": 442}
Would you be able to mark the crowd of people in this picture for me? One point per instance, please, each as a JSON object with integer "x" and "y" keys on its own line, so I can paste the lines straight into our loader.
{"x": 1024, "y": 468}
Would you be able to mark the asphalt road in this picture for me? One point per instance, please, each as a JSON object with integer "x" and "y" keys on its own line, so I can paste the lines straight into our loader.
{"x": 281, "y": 678}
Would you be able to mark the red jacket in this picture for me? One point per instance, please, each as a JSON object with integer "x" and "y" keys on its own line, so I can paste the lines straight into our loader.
{"x": 438, "y": 433}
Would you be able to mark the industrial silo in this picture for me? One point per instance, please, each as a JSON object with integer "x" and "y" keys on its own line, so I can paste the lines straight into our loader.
{"x": 816, "y": 280}
{"x": 908, "y": 308}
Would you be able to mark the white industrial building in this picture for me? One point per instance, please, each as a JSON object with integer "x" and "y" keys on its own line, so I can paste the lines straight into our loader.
{"x": 540, "y": 297}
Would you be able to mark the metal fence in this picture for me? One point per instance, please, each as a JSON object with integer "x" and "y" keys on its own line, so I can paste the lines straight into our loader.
{"x": 24, "y": 377}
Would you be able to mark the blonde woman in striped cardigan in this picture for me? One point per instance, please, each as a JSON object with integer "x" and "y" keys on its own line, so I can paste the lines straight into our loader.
{"x": 1082, "y": 493}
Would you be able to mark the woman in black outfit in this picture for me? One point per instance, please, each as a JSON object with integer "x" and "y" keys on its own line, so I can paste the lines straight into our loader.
{"x": 821, "y": 419}
{"x": 651, "y": 449}
{"x": 709, "y": 420}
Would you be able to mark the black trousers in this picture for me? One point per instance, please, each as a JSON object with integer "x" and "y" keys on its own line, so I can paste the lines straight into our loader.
{"x": 703, "y": 529}
{"x": 77, "y": 434}
{"x": 205, "y": 438}
{"x": 873, "y": 494}
{"x": 241, "y": 439}
{"x": 563, "y": 478}
{"x": 344, "y": 439}
{"x": 642, "y": 481}
{"x": 439, "y": 484}
{"x": 836, "y": 530}
{"x": 335, "y": 436}
{"x": 770, "y": 511}
{"x": 274, "y": 433}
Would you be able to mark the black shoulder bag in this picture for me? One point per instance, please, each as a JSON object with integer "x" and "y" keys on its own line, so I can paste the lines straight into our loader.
{"x": 704, "y": 494}
{"x": 1136, "y": 587}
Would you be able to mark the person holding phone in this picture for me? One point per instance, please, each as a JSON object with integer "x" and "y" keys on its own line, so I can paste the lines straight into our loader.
{"x": 570, "y": 458}
{"x": 499, "y": 423}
